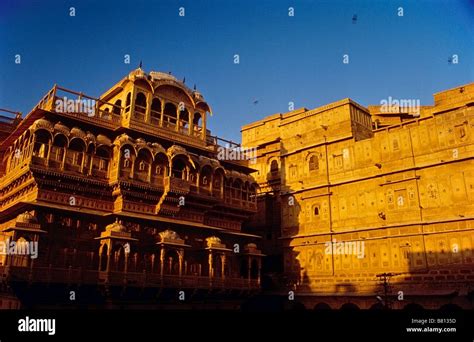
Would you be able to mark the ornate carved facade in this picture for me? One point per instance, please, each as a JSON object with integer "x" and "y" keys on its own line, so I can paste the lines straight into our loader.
{"x": 125, "y": 191}
{"x": 399, "y": 186}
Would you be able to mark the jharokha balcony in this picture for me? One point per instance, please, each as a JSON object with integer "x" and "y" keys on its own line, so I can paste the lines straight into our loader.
{"x": 141, "y": 155}
{"x": 55, "y": 144}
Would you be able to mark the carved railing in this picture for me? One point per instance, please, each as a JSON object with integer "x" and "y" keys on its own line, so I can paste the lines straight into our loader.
{"x": 71, "y": 275}
{"x": 73, "y": 106}
{"x": 177, "y": 184}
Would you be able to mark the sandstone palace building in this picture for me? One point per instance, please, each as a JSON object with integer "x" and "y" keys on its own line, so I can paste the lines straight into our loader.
{"x": 122, "y": 198}
{"x": 370, "y": 207}
{"x": 127, "y": 199}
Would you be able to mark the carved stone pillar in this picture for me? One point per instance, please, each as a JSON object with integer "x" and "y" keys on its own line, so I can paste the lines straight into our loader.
{"x": 259, "y": 270}
{"x": 223, "y": 264}
{"x": 211, "y": 267}
{"x": 181, "y": 259}
{"x": 162, "y": 112}
{"x": 109, "y": 253}
{"x": 190, "y": 123}
{"x": 125, "y": 268}
{"x": 203, "y": 137}
{"x": 249, "y": 270}
{"x": 162, "y": 260}
{"x": 178, "y": 111}
{"x": 149, "y": 99}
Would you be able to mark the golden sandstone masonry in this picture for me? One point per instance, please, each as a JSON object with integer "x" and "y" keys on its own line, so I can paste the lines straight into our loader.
{"x": 129, "y": 198}
{"x": 126, "y": 198}
{"x": 393, "y": 186}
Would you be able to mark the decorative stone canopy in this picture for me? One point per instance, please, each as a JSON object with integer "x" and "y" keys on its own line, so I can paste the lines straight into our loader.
{"x": 116, "y": 231}
{"x": 157, "y": 78}
{"x": 213, "y": 242}
{"x": 60, "y": 127}
{"x": 170, "y": 237}
{"x": 137, "y": 73}
{"x": 90, "y": 138}
{"x": 26, "y": 218}
{"x": 251, "y": 249}
{"x": 103, "y": 140}
{"x": 42, "y": 123}
{"x": 158, "y": 75}
{"x": 78, "y": 133}
{"x": 26, "y": 222}
{"x": 117, "y": 226}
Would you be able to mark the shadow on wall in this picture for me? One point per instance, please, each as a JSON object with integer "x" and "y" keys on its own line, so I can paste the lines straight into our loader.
{"x": 446, "y": 284}
{"x": 440, "y": 279}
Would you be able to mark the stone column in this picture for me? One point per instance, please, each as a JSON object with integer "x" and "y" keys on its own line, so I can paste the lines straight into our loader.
{"x": 178, "y": 124}
{"x": 132, "y": 167}
{"x": 109, "y": 253}
{"x": 149, "y": 172}
{"x": 82, "y": 161}
{"x": 126, "y": 262}
{"x": 64, "y": 158}
{"x": 49, "y": 153}
{"x": 249, "y": 268}
{"x": 259, "y": 270}
{"x": 132, "y": 101}
{"x": 162, "y": 260}
{"x": 162, "y": 112}
{"x": 190, "y": 123}
{"x": 211, "y": 267}
{"x": 152, "y": 262}
{"x": 91, "y": 159}
{"x": 181, "y": 258}
{"x": 149, "y": 99}
{"x": 204, "y": 126}
{"x": 100, "y": 258}
{"x": 223, "y": 263}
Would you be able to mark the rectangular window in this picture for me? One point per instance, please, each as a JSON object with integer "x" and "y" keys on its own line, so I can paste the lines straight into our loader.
{"x": 338, "y": 163}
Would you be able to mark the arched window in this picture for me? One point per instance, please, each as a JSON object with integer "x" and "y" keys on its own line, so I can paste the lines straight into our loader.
{"x": 155, "y": 111}
{"x": 160, "y": 165}
{"x": 128, "y": 102}
{"x": 58, "y": 148}
{"x": 197, "y": 120}
{"x": 206, "y": 177}
{"x": 184, "y": 120}
{"x": 140, "y": 106}
{"x": 316, "y": 211}
{"x": 178, "y": 169}
{"x": 197, "y": 124}
{"x": 170, "y": 115}
{"x": 274, "y": 167}
{"x": 140, "y": 102}
{"x": 313, "y": 163}
{"x": 126, "y": 163}
{"x": 42, "y": 140}
{"x": 117, "y": 106}
{"x": 75, "y": 152}
{"x": 142, "y": 165}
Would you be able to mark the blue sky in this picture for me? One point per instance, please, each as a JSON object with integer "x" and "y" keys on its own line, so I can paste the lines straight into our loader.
{"x": 282, "y": 59}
